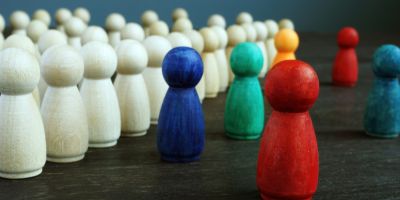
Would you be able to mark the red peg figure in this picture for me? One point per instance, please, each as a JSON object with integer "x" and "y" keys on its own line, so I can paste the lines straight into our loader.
{"x": 345, "y": 67}
{"x": 287, "y": 165}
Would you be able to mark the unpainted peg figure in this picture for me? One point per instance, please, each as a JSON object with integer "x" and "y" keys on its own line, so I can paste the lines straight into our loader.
{"x": 211, "y": 75}
{"x": 115, "y": 22}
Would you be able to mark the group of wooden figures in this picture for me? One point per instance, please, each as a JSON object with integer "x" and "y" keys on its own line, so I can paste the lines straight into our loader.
{"x": 162, "y": 78}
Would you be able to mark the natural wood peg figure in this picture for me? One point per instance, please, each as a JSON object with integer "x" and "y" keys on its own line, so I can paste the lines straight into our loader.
{"x": 287, "y": 165}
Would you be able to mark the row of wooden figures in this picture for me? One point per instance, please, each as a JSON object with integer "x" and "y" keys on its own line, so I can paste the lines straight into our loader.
{"x": 214, "y": 42}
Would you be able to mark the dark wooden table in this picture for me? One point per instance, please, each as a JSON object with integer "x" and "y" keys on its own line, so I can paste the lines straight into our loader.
{"x": 352, "y": 165}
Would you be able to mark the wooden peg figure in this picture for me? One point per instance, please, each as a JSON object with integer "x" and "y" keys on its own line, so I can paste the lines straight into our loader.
{"x": 22, "y": 137}
{"x": 244, "y": 109}
{"x": 345, "y": 67}
{"x": 180, "y": 131}
{"x": 287, "y": 165}
{"x": 286, "y": 43}
{"x": 382, "y": 113}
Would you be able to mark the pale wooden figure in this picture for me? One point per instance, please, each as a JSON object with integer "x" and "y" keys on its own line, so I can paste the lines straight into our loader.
{"x": 198, "y": 44}
{"x": 23, "y": 42}
{"x": 99, "y": 96}
{"x": 62, "y": 15}
{"x": 35, "y": 29}
{"x": 133, "y": 31}
{"x": 272, "y": 28}
{"x": 157, "y": 47}
{"x": 251, "y": 33}
{"x": 159, "y": 28}
{"x": 74, "y": 28}
{"x": 179, "y": 40}
{"x": 286, "y": 23}
{"x": 236, "y": 35}
{"x": 211, "y": 75}
{"x": 179, "y": 13}
{"x": 148, "y": 18}
{"x": 22, "y": 135}
{"x": 115, "y": 22}
{"x": 262, "y": 34}
{"x": 2, "y": 23}
{"x": 43, "y": 16}
{"x": 83, "y": 14}
{"x": 46, "y": 40}
{"x": 63, "y": 111}
{"x": 216, "y": 20}
{"x": 19, "y": 20}
{"x": 220, "y": 56}
{"x": 131, "y": 88}
{"x": 244, "y": 18}
{"x": 182, "y": 25}
{"x": 94, "y": 33}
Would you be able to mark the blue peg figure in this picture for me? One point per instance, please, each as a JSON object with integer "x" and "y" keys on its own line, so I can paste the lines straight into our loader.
{"x": 382, "y": 113}
{"x": 180, "y": 131}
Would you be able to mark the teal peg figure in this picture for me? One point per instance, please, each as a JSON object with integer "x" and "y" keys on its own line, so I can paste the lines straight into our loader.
{"x": 244, "y": 108}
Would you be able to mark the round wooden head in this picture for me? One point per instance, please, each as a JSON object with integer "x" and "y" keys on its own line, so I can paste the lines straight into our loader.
{"x": 21, "y": 42}
{"x": 216, "y": 20}
{"x": 132, "y": 31}
{"x": 179, "y": 13}
{"x": 211, "y": 41}
{"x": 43, "y": 16}
{"x": 74, "y": 27}
{"x": 2, "y": 23}
{"x": 347, "y": 37}
{"x": 132, "y": 57}
{"x": 286, "y": 40}
{"x": 286, "y": 24}
{"x": 179, "y": 40}
{"x": 261, "y": 30}
{"x": 83, "y": 14}
{"x": 251, "y": 33}
{"x": 35, "y": 29}
{"x": 94, "y": 33}
{"x": 222, "y": 36}
{"x": 149, "y": 17}
{"x": 243, "y": 18}
{"x": 51, "y": 38}
{"x": 62, "y": 15}
{"x": 272, "y": 28}
{"x": 182, "y": 25}
{"x": 159, "y": 28}
{"x": 157, "y": 47}
{"x": 246, "y": 60}
{"x": 19, "y": 71}
{"x": 292, "y": 86}
{"x": 62, "y": 65}
{"x": 386, "y": 61}
{"x": 196, "y": 40}
{"x": 19, "y": 19}
{"x": 182, "y": 67}
{"x": 100, "y": 60}
{"x": 236, "y": 35}
{"x": 115, "y": 22}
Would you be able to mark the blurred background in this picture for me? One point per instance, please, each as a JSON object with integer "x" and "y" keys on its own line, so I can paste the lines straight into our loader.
{"x": 308, "y": 15}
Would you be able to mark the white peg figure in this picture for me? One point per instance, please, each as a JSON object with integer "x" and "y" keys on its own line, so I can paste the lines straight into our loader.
{"x": 63, "y": 112}
{"x": 133, "y": 31}
{"x": 179, "y": 40}
{"x": 159, "y": 28}
{"x": 211, "y": 75}
{"x": 99, "y": 96}
{"x": 19, "y": 20}
{"x": 157, "y": 47}
{"x": 148, "y": 18}
{"x": 131, "y": 89}
{"x": 198, "y": 44}
{"x": 83, "y": 14}
{"x": 115, "y": 22}
{"x": 22, "y": 136}
{"x": 94, "y": 33}
{"x": 236, "y": 35}
{"x": 182, "y": 25}
{"x": 216, "y": 20}
{"x": 74, "y": 28}
{"x": 42, "y": 15}
{"x": 220, "y": 56}
{"x": 244, "y": 18}
{"x": 272, "y": 28}
{"x": 62, "y": 16}
{"x": 262, "y": 33}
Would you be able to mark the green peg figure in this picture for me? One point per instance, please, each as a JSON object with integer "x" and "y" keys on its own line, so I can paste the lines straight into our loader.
{"x": 244, "y": 108}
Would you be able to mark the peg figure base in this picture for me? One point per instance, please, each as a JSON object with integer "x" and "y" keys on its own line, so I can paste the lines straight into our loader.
{"x": 65, "y": 159}
{"x": 154, "y": 121}
{"x": 344, "y": 84}
{"x": 383, "y": 136}
{"x": 103, "y": 144}
{"x": 134, "y": 134}
{"x": 265, "y": 197}
{"x": 242, "y": 137}
{"x": 9, "y": 175}
{"x": 211, "y": 95}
